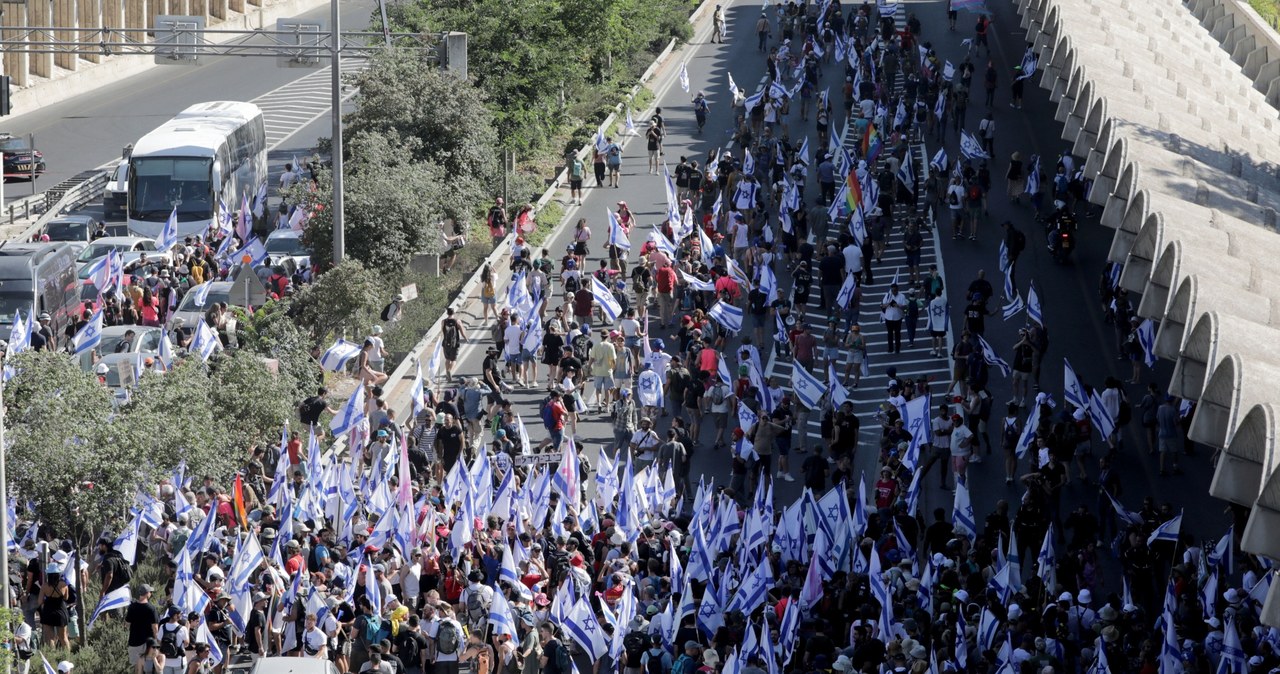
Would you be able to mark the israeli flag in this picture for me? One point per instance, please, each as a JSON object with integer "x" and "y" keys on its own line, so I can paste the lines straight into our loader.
{"x": 907, "y": 173}
{"x": 500, "y": 617}
{"x": 116, "y": 599}
{"x": 168, "y": 237}
{"x": 1167, "y": 531}
{"x": 127, "y": 543}
{"x": 205, "y": 341}
{"x": 630, "y": 129}
{"x": 948, "y": 71}
{"x": 1028, "y": 434}
{"x": 1072, "y": 390}
{"x": 90, "y": 335}
{"x": 808, "y": 388}
{"x": 1014, "y": 307}
{"x": 989, "y": 355}
{"x": 1223, "y": 553}
{"x": 663, "y": 244}
{"x": 601, "y": 143}
{"x": 1147, "y": 338}
{"x": 684, "y": 78}
{"x": 748, "y": 163}
{"x": 962, "y": 513}
{"x": 939, "y": 161}
{"x": 608, "y": 304}
{"x": 971, "y": 147}
{"x": 1034, "y": 311}
{"x": 617, "y": 236}
{"x": 1030, "y": 61}
{"x": 727, "y": 315}
{"x": 254, "y": 250}
{"x": 1033, "y": 175}
{"x": 352, "y": 413}
{"x": 915, "y": 417}
{"x": 696, "y": 283}
{"x": 19, "y": 334}
{"x": 846, "y": 291}
{"x": 335, "y": 359}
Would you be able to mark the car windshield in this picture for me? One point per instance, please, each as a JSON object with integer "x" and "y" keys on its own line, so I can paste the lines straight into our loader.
{"x": 215, "y": 297}
{"x": 13, "y": 144}
{"x": 11, "y": 302}
{"x": 114, "y": 343}
{"x": 286, "y": 245}
{"x": 156, "y": 185}
{"x": 96, "y": 250}
{"x": 67, "y": 231}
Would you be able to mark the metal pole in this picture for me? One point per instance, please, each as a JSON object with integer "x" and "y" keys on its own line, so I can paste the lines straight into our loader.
{"x": 335, "y": 45}
{"x": 4, "y": 511}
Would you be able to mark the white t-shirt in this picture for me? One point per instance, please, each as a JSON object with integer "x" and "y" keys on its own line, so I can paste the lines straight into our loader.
{"x": 852, "y": 259}
{"x": 958, "y": 191}
{"x": 630, "y": 327}
{"x": 182, "y": 637}
{"x": 433, "y": 628}
{"x": 512, "y": 336}
{"x": 961, "y": 441}
{"x": 891, "y": 312}
{"x": 938, "y": 314}
{"x": 313, "y": 640}
{"x": 409, "y": 583}
{"x": 645, "y": 440}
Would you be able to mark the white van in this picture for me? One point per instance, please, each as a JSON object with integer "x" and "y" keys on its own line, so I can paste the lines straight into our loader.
{"x": 294, "y": 666}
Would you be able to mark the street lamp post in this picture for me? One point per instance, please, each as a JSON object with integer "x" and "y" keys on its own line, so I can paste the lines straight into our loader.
{"x": 335, "y": 39}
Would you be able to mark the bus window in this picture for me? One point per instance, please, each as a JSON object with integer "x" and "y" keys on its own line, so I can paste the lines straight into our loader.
{"x": 156, "y": 183}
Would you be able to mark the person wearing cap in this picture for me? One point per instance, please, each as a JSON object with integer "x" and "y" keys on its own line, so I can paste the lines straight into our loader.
{"x": 255, "y": 632}
{"x": 144, "y": 623}
{"x": 689, "y": 660}
{"x": 174, "y": 639}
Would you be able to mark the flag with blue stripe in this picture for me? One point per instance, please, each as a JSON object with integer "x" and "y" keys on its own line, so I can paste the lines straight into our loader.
{"x": 335, "y": 359}
{"x": 1223, "y": 552}
{"x": 846, "y": 291}
{"x": 352, "y": 413}
{"x": 581, "y": 625}
{"x": 1100, "y": 416}
{"x": 116, "y": 599}
{"x": 962, "y": 515}
{"x": 989, "y": 355}
{"x": 727, "y": 315}
{"x": 500, "y": 616}
{"x": 617, "y": 236}
{"x": 89, "y": 336}
{"x": 1034, "y": 311}
{"x": 608, "y": 303}
{"x": 1167, "y": 531}
{"x": 1147, "y": 339}
{"x": 808, "y": 388}
{"x": 1072, "y": 391}
{"x": 168, "y": 237}
{"x": 205, "y": 341}
{"x": 254, "y": 250}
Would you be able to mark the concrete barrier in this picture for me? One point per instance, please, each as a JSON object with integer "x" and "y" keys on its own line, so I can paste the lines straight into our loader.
{"x": 1252, "y": 43}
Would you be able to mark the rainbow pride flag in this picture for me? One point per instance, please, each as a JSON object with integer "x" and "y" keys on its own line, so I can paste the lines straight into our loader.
{"x": 853, "y": 195}
{"x": 871, "y": 144}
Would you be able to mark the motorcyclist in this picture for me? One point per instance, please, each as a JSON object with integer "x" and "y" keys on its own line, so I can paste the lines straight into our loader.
{"x": 1062, "y": 230}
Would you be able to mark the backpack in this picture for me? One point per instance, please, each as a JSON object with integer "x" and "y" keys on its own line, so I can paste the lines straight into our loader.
{"x": 1125, "y": 414}
{"x": 450, "y": 330}
{"x": 478, "y": 606}
{"x": 683, "y": 665}
{"x": 447, "y": 637}
{"x": 562, "y": 659}
{"x": 718, "y": 394}
{"x": 581, "y": 347}
{"x": 700, "y": 106}
{"x": 654, "y": 664}
{"x": 169, "y": 646}
{"x": 634, "y": 644}
{"x": 1010, "y": 436}
{"x": 952, "y": 199}
{"x": 386, "y": 312}
{"x": 372, "y": 629}
{"x": 572, "y": 284}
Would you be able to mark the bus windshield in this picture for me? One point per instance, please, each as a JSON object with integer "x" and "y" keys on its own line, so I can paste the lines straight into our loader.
{"x": 156, "y": 183}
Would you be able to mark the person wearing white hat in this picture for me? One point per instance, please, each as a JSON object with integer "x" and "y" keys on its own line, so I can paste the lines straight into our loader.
{"x": 65, "y": 667}
{"x": 1080, "y": 618}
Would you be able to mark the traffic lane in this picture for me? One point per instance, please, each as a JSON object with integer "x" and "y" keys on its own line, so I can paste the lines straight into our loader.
{"x": 92, "y": 128}
{"x": 644, "y": 193}
{"x": 1068, "y": 291}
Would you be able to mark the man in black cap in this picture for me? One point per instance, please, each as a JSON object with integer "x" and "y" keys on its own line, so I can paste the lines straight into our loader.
{"x": 144, "y": 623}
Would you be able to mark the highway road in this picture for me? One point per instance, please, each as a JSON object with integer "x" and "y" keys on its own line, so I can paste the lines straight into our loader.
{"x": 1068, "y": 291}
{"x": 91, "y": 129}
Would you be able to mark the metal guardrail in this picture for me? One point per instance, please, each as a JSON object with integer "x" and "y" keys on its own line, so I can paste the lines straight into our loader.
{"x": 67, "y": 196}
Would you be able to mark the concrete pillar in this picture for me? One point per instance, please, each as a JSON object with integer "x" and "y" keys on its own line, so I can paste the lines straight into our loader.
{"x": 113, "y": 18}
{"x": 199, "y": 8}
{"x": 89, "y": 16}
{"x": 16, "y": 63}
{"x": 65, "y": 16}
{"x": 254, "y": 3}
{"x": 217, "y": 9}
{"x": 137, "y": 14}
{"x": 39, "y": 13}
{"x": 236, "y": 6}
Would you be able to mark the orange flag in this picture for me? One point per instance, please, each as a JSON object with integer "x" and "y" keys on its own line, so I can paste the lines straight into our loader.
{"x": 238, "y": 496}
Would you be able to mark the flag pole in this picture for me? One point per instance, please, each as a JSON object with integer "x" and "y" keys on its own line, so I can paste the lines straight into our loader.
{"x": 4, "y": 516}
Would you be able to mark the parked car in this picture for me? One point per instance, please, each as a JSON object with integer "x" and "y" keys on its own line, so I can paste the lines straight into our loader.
{"x": 124, "y": 244}
{"x": 145, "y": 339}
{"x": 77, "y": 228}
{"x": 115, "y": 196}
{"x": 286, "y": 244}
{"x": 219, "y": 291}
{"x": 20, "y": 161}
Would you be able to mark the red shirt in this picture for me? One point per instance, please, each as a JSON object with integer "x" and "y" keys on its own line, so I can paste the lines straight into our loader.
{"x": 558, "y": 413}
{"x": 295, "y": 451}
{"x": 666, "y": 279}
{"x": 293, "y": 564}
{"x": 886, "y": 489}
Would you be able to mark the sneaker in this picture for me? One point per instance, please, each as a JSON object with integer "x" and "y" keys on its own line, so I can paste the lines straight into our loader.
{"x": 976, "y": 459}
{"x": 787, "y": 477}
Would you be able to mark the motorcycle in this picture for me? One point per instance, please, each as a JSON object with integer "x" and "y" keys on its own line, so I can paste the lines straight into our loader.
{"x": 1062, "y": 238}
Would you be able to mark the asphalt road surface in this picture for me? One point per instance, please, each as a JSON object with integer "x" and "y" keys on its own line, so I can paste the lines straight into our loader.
{"x": 1068, "y": 291}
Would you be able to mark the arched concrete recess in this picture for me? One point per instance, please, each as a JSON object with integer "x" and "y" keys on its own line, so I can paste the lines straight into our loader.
{"x": 1237, "y": 384}
{"x": 1251, "y": 454}
{"x": 1214, "y": 336}
{"x": 1198, "y": 293}
{"x": 1180, "y": 259}
{"x": 1126, "y": 187}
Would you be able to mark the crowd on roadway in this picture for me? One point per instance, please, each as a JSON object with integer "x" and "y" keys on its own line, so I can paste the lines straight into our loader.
{"x": 461, "y": 539}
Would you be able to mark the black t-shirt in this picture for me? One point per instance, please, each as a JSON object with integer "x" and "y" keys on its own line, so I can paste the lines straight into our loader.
{"x": 682, "y": 175}
{"x": 848, "y": 426}
{"x": 759, "y": 302}
{"x": 549, "y": 651}
{"x": 141, "y": 618}
{"x": 695, "y": 178}
{"x": 815, "y": 472}
{"x": 570, "y": 363}
{"x": 654, "y": 136}
{"x": 450, "y": 438}
{"x": 257, "y": 622}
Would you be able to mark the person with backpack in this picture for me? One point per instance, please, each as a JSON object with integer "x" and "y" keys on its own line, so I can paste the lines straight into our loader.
{"x": 365, "y": 633}
{"x": 1010, "y": 433}
{"x": 555, "y": 655}
{"x": 476, "y": 600}
{"x": 656, "y": 660}
{"x": 577, "y": 170}
{"x": 975, "y": 202}
{"x": 453, "y": 333}
{"x": 173, "y": 642}
{"x": 497, "y": 220}
{"x": 613, "y": 159}
{"x": 690, "y": 660}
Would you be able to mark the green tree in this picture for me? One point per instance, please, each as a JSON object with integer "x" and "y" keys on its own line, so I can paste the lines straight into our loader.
{"x": 252, "y": 402}
{"x": 273, "y": 332}
{"x": 342, "y": 302}
{"x": 60, "y": 429}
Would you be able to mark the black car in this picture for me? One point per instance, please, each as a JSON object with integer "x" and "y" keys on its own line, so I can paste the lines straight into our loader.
{"x": 19, "y": 157}
{"x": 79, "y": 228}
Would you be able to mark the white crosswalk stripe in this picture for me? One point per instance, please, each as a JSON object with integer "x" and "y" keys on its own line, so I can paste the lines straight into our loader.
{"x": 297, "y": 104}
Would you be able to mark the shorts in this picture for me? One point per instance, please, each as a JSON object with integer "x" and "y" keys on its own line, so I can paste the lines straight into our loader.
{"x": 575, "y": 183}
{"x": 604, "y": 383}
{"x": 632, "y": 342}
{"x": 938, "y": 333}
{"x": 783, "y": 444}
{"x": 913, "y": 259}
{"x": 526, "y": 356}
{"x": 579, "y": 247}
{"x": 450, "y": 352}
{"x": 488, "y": 300}
{"x": 959, "y": 463}
{"x": 721, "y": 419}
{"x": 1165, "y": 445}
{"x": 135, "y": 652}
{"x": 615, "y": 167}
{"x": 1019, "y": 375}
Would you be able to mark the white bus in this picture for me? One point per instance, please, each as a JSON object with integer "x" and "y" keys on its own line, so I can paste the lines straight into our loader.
{"x": 210, "y": 153}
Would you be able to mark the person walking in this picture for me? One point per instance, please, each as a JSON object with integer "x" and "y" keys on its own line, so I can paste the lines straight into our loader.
{"x": 1167, "y": 434}
{"x": 892, "y": 309}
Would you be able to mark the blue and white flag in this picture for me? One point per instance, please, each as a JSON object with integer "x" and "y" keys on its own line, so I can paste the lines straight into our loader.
{"x": 1232, "y": 659}
{"x": 939, "y": 111}
{"x": 1034, "y": 311}
{"x": 1072, "y": 391}
{"x": 939, "y": 161}
{"x": 751, "y": 593}
{"x": 1223, "y": 553}
{"x": 19, "y": 334}
{"x": 748, "y": 163}
{"x": 1167, "y": 531}
{"x": 962, "y": 517}
{"x": 915, "y": 420}
{"x": 335, "y": 359}
{"x": 989, "y": 355}
{"x": 581, "y": 625}
{"x": 727, "y": 315}
{"x": 1147, "y": 339}
{"x": 127, "y": 543}
{"x": 630, "y": 129}
{"x": 168, "y": 237}
{"x": 500, "y": 616}
{"x": 418, "y": 393}
{"x": 1030, "y": 61}
{"x": 971, "y": 147}
{"x": 116, "y": 599}
{"x": 205, "y": 341}
{"x": 254, "y": 250}
{"x": 89, "y": 336}
{"x": 352, "y": 413}
{"x": 200, "y": 294}
{"x": 710, "y": 616}
{"x": 808, "y": 388}
{"x": 617, "y": 236}
{"x": 661, "y": 241}
{"x": 1047, "y": 559}
{"x": 845, "y": 296}
{"x": 684, "y": 78}
{"x": 608, "y": 303}
{"x": 1100, "y": 416}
